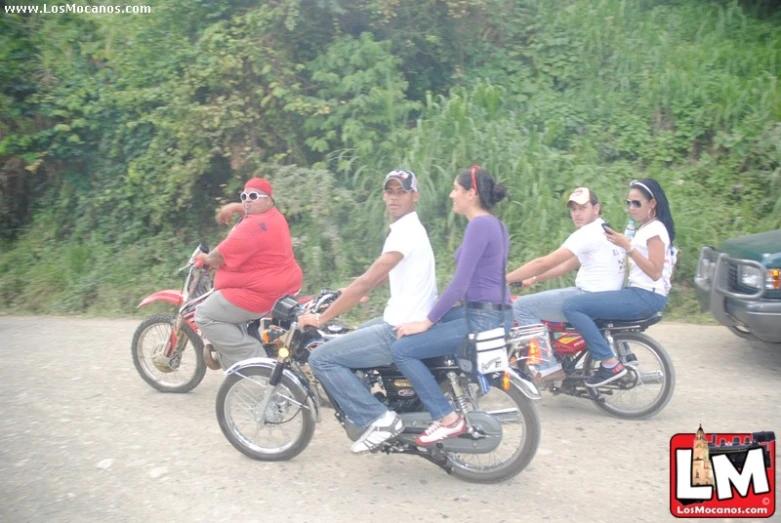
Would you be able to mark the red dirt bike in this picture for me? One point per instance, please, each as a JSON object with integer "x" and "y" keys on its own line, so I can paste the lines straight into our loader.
{"x": 169, "y": 352}
{"x": 556, "y": 358}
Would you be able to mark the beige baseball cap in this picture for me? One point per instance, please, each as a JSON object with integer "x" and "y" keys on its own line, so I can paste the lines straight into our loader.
{"x": 583, "y": 195}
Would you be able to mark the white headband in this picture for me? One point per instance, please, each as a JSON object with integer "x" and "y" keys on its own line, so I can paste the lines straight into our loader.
{"x": 644, "y": 186}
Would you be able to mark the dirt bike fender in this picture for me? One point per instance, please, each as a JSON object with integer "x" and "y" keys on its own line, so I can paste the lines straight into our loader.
{"x": 169, "y": 295}
{"x": 311, "y": 401}
{"x": 523, "y": 384}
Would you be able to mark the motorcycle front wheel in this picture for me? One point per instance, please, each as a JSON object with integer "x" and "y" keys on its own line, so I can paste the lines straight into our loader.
{"x": 280, "y": 433}
{"x": 521, "y": 432}
{"x": 150, "y": 340}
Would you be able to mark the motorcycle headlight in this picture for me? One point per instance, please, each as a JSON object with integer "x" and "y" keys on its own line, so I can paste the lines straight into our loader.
{"x": 751, "y": 277}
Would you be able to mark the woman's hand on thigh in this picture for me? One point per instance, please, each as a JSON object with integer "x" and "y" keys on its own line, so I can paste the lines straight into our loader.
{"x": 414, "y": 327}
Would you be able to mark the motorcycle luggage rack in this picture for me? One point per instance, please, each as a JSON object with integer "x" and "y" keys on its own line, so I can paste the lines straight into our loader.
{"x": 526, "y": 333}
{"x": 520, "y": 337}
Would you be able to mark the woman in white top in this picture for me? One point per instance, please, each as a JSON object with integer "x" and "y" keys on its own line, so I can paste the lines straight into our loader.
{"x": 651, "y": 261}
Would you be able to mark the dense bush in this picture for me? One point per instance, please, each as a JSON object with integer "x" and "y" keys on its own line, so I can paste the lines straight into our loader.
{"x": 120, "y": 135}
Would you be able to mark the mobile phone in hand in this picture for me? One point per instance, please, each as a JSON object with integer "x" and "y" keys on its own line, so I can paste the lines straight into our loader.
{"x": 607, "y": 227}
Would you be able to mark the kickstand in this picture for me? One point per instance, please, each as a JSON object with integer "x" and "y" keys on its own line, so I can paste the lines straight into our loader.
{"x": 597, "y": 396}
{"x": 437, "y": 457}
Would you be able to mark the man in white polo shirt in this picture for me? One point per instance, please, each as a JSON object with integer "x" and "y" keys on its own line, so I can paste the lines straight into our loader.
{"x": 407, "y": 262}
{"x": 602, "y": 264}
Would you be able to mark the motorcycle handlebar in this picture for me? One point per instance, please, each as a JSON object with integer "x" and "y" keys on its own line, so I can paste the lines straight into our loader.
{"x": 201, "y": 248}
{"x": 326, "y": 298}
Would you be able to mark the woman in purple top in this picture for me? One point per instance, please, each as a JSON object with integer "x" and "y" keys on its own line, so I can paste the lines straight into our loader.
{"x": 477, "y": 284}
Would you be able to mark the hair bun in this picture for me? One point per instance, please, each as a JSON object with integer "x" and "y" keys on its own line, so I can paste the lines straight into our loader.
{"x": 499, "y": 192}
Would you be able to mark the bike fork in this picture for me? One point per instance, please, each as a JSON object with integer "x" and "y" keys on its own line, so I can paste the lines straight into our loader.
{"x": 273, "y": 385}
{"x": 177, "y": 340}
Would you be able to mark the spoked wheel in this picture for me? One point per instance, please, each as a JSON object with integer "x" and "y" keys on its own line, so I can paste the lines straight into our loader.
{"x": 149, "y": 342}
{"x": 281, "y": 432}
{"x": 648, "y": 385}
{"x": 521, "y": 433}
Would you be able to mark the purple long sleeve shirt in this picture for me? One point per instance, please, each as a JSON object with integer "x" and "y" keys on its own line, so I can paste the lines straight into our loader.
{"x": 480, "y": 264}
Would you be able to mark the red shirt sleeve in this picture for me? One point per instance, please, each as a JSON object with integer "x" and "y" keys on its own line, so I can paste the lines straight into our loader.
{"x": 246, "y": 239}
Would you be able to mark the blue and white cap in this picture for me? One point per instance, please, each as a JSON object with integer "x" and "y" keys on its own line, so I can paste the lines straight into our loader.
{"x": 405, "y": 178}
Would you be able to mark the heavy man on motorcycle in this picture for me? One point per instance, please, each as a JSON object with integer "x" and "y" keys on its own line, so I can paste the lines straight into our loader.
{"x": 407, "y": 263}
{"x": 255, "y": 266}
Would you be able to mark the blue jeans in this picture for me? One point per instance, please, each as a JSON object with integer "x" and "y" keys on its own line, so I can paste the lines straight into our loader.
{"x": 630, "y": 303}
{"x": 528, "y": 310}
{"x": 333, "y": 361}
{"x": 441, "y": 339}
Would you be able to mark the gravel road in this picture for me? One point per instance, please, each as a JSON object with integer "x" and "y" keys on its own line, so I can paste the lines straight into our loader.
{"x": 83, "y": 438}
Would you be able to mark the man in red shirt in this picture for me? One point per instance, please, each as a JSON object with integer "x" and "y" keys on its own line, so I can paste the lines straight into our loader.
{"x": 255, "y": 266}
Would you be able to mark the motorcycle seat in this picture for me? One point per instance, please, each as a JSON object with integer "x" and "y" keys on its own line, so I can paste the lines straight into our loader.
{"x": 619, "y": 324}
{"x": 642, "y": 323}
{"x": 431, "y": 363}
{"x": 440, "y": 361}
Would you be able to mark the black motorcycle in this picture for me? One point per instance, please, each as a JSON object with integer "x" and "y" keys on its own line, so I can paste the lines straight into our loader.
{"x": 267, "y": 407}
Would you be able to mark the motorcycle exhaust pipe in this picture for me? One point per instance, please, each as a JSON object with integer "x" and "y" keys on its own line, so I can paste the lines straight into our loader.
{"x": 509, "y": 415}
{"x": 655, "y": 376}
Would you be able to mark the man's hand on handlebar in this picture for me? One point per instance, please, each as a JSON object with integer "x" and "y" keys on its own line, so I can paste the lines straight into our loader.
{"x": 321, "y": 304}
{"x": 309, "y": 320}
{"x": 200, "y": 260}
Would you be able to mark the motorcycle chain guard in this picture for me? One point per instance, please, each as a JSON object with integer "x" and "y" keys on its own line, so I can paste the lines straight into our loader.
{"x": 488, "y": 433}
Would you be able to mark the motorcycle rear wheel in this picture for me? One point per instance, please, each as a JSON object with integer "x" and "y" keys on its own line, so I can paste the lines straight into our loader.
{"x": 489, "y": 468}
{"x": 192, "y": 368}
{"x": 237, "y": 399}
{"x": 654, "y": 363}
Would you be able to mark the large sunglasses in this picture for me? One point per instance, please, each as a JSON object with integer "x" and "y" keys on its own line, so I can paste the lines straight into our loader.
{"x": 252, "y": 196}
{"x": 635, "y": 203}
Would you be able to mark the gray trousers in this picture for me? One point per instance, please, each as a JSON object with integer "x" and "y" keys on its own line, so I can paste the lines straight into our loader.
{"x": 225, "y": 326}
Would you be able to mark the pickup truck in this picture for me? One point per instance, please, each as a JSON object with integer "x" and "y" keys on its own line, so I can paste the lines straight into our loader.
{"x": 740, "y": 284}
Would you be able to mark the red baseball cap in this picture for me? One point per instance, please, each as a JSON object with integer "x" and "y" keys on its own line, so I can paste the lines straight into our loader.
{"x": 259, "y": 184}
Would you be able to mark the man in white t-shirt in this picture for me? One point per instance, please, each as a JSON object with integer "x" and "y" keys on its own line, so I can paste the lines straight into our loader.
{"x": 601, "y": 264}
{"x": 407, "y": 263}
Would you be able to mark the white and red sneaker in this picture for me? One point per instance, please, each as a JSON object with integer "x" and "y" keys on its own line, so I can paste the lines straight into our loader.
{"x": 387, "y": 427}
{"x": 438, "y": 431}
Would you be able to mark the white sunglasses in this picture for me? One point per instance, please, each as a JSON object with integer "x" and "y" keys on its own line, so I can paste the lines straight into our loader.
{"x": 252, "y": 196}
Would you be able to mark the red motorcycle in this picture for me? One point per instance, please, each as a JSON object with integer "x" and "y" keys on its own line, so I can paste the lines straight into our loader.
{"x": 169, "y": 352}
{"x": 556, "y": 358}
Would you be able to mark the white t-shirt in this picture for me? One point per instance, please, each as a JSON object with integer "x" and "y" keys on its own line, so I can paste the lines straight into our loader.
{"x": 413, "y": 282}
{"x": 637, "y": 278}
{"x": 602, "y": 265}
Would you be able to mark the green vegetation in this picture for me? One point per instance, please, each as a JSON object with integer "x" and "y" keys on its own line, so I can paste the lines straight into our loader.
{"x": 120, "y": 135}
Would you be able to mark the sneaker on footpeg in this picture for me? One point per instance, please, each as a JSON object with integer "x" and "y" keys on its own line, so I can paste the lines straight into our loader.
{"x": 438, "y": 431}
{"x": 605, "y": 375}
{"x": 381, "y": 430}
